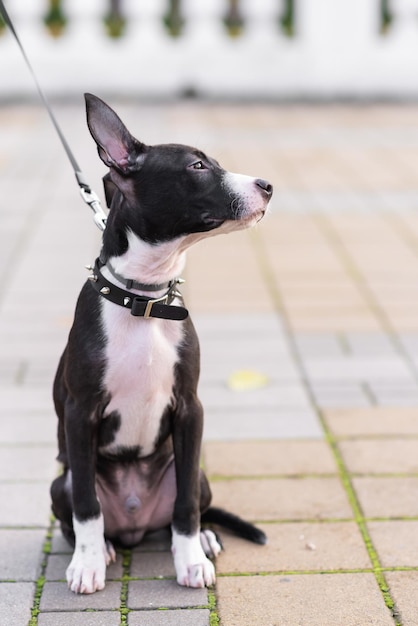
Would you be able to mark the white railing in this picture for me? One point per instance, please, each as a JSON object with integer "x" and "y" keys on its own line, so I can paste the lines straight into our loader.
{"x": 337, "y": 49}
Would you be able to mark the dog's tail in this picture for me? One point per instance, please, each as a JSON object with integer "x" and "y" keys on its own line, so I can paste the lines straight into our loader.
{"x": 235, "y": 524}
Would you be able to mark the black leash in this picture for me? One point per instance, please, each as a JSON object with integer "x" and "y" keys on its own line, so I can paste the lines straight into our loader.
{"x": 87, "y": 193}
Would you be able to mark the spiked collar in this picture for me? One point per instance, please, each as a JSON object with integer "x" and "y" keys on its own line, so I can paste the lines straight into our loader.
{"x": 140, "y": 306}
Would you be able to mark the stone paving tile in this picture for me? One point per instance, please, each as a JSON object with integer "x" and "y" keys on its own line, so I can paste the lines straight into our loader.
{"x": 152, "y": 565}
{"x": 59, "y": 545}
{"x": 31, "y": 348}
{"x": 21, "y": 554}
{"x": 217, "y": 368}
{"x": 10, "y": 369}
{"x": 14, "y": 402}
{"x": 340, "y": 395}
{"x": 368, "y": 456}
{"x": 16, "y": 600}
{"x": 264, "y": 458}
{"x": 218, "y": 327}
{"x": 29, "y": 427}
{"x": 252, "y": 337}
{"x": 24, "y": 504}
{"x": 320, "y": 345}
{"x": 77, "y": 618}
{"x": 395, "y": 542}
{"x": 403, "y": 587}
{"x": 396, "y": 394}
{"x": 326, "y": 600}
{"x": 387, "y": 497}
{"x": 27, "y": 463}
{"x": 359, "y": 369}
{"x": 195, "y": 617}
{"x": 334, "y": 321}
{"x": 262, "y": 424}
{"x": 147, "y": 594}
{"x": 293, "y": 547}
{"x": 410, "y": 343}
{"x": 39, "y": 373}
{"x": 157, "y": 541}
{"x": 57, "y": 594}
{"x": 234, "y": 355}
{"x": 281, "y": 499}
{"x": 58, "y": 563}
{"x": 357, "y": 422}
{"x": 273, "y": 396}
{"x": 371, "y": 344}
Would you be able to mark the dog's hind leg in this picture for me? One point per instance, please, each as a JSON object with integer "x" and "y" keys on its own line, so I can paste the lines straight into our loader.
{"x": 210, "y": 541}
{"x": 61, "y": 505}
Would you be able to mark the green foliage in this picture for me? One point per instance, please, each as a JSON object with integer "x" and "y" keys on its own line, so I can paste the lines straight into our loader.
{"x": 55, "y": 19}
{"x": 386, "y": 14}
{"x": 287, "y": 18}
{"x": 115, "y": 25}
{"x": 173, "y": 19}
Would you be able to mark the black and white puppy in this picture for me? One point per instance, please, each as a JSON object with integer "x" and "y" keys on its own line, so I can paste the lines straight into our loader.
{"x": 130, "y": 421}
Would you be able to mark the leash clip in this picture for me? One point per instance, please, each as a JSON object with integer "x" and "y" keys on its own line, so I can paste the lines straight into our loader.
{"x": 92, "y": 199}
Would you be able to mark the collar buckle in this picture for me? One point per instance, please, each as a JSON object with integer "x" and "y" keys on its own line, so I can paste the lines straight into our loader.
{"x": 150, "y": 304}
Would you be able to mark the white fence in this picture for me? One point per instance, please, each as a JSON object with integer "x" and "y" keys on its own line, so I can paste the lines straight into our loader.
{"x": 337, "y": 49}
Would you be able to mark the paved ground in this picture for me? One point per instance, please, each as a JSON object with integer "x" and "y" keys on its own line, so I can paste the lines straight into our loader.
{"x": 318, "y": 306}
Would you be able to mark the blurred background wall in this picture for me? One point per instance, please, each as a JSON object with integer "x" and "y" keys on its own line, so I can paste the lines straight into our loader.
{"x": 246, "y": 49}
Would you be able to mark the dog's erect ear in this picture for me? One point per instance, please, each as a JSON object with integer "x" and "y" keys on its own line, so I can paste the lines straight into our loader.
{"x": 117, "y": 148}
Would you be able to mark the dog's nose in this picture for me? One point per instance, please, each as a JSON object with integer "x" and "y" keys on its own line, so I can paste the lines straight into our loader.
{"x": 265, "y": 186}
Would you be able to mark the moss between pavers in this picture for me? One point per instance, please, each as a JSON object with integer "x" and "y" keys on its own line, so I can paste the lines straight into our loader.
{"x": 360, "y": 520}
{"x": 37, "y": 601}
{"x": 213, "y": 615}
{"x": 126, "y": 566}
{"x": 46, "y": 550}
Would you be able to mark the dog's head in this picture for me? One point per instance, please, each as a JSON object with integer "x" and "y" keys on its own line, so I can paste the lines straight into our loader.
{"x": 166, "y": 191}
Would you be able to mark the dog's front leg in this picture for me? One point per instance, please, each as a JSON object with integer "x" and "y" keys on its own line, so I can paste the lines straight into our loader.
{"x": 87, "y": 570}
{"x": 193, "y": 568}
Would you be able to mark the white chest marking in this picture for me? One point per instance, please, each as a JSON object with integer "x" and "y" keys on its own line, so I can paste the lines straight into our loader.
{"x": 141, "y": 355}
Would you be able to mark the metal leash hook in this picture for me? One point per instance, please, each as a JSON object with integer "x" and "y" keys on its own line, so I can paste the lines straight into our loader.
{"x": 92, "y": 199}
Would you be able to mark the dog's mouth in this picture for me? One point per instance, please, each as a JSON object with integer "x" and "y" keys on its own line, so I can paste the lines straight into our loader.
{"x": 254, "y": 216}
{"x": 239, "y": 219}
{"x": 213, "y": 222}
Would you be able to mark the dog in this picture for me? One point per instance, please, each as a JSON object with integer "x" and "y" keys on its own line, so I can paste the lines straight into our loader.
{"x": 130, "y": 421}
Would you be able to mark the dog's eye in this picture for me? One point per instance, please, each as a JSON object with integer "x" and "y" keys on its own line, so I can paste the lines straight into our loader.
{"x": 198, "y": 165}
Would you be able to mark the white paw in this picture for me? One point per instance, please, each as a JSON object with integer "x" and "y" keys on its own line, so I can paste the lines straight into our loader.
{"x": 110, "y": 552}
{"x": 210, "y": 544}
{"x": 87, "y": 571}
{"x": 193, "y": 568}
{"x": 86, "y": 574}
{"x": 198, "y": 575}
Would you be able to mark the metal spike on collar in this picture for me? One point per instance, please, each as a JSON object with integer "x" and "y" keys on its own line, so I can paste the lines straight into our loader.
{"x": 126, "y": 301}
{"x": 105, "y": 291}
{"x": 93, "y": 278}
{"x": 180, "y": 281}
